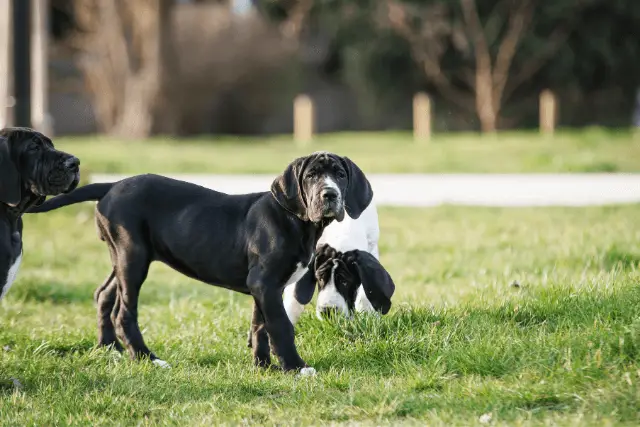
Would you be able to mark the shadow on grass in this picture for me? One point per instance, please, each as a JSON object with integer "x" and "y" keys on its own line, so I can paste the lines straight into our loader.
{"x": 56, "y": 293}
{"x": 615, "y": 257}
{"x": 64, "y": 349}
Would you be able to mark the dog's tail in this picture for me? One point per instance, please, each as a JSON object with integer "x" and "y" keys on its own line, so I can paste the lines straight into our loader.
{"x": 86, "y": 193}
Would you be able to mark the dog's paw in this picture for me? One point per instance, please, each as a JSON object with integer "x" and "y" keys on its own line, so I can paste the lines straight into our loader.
{"x": 161, "y": 364}
{"x": 307, "y": 372}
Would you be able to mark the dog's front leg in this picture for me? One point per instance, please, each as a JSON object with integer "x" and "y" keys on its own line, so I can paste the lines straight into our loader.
{"x": 268, "y": 298}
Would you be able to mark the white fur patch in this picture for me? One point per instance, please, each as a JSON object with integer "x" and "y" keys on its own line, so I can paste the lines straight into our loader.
{"x": 291, "y": 305}
{"x": 307, "y": 372}
{"x": 297, "y": 274}
{"x": 362, "y": 302}
{"x": 11, "y": 275}
{"x": 329, "y": 297}
{"x": 161, "y": 364}
{"x": 330, "y": 183}
{"x": 350, "y": 234}
{"x": 293, "y": 308}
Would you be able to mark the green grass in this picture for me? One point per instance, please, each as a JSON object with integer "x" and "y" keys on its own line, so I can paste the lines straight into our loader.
{"x": 561, "y": 348}
{"x": 592, "y": 150}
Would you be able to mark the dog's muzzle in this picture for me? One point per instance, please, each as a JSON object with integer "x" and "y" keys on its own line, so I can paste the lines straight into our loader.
{"x": 330, "y": 302}
{"x": 64, "y": 177}
{"x": 331, "y": 203}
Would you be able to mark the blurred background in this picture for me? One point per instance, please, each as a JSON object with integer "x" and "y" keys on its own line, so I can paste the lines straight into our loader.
{"x": 139, "y": 68}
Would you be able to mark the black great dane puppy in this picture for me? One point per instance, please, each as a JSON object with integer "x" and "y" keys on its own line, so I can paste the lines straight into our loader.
{"x": 30, "y": 170}
{"x": 251, "y": 243}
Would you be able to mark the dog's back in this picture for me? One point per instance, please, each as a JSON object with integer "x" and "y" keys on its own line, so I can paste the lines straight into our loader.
{"x": 176, "y": 220}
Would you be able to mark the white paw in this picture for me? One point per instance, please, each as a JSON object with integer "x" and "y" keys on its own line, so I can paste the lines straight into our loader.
{"x": 161, "y": 364}
{"x": 307, "y": 372}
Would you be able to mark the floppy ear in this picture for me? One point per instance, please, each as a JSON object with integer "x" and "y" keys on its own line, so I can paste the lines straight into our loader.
{"x": 359, "y": 191}
{"x": 287, "y": 189}
{"x": 306, "y": 286}
{"x": 9, "y": 176}
{"x": 376, "y": 281}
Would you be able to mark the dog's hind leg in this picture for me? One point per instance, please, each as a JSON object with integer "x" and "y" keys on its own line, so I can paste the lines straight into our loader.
{"x": 105, "y": 298}
{"x": 132, "y": 266}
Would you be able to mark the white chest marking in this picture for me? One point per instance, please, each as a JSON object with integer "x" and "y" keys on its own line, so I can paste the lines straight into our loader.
{"x": 297, "y": 274}
{"x": 11, "y": 275}
{"x": 291, "y": 305}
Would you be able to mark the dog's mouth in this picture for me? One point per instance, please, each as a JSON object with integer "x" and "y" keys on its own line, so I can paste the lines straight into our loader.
{"x": 322, "y": 210}
{"x": 59, "y": 181}
{"x": 74, "y": 182}
{"x": 333, "y": 210}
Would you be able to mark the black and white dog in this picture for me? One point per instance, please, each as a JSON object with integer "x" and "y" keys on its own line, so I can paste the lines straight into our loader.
{"x": 352, "y": 234}
{"x": 252, "y": 243}
{"x": 30, "y": 169}
{"x": 352, "y": 278}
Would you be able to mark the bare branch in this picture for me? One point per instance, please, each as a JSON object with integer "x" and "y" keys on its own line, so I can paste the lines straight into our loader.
{"x": 293, "y": 26}
{"x": 519, "y": 20}
{"x": 535, "y": 63}
{"x": 472, "y": 19}
{"x": 427, "y": 47}
{"x": 494, "y": 23}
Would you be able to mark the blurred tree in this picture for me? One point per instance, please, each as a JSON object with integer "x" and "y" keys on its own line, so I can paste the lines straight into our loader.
{"x": 128, "y": 64}
{"x": 468, "y": 49}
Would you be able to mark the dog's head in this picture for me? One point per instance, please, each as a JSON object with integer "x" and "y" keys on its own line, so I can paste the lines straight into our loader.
{"x": 29, "y": 163}
{"x": 339, "y": 276}
{"x": 323, "y": 186}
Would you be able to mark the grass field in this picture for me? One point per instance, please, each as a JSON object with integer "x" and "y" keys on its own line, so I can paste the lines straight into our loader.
{"x": 594, "y": 150}
{"x": 461, "y": 344}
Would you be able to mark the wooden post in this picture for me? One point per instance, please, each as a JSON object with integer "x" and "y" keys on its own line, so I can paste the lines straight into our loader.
{"x": 303, "y": 119}
{"x": 421, "y": 117}
{"x": 40, "y": 119}
{"x": 548, "y": 112}
{"x": 5, "y": 62}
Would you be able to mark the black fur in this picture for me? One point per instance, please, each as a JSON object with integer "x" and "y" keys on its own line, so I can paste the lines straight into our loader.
{"x": 250, "y": 243}
{"x": 30, "y": 169}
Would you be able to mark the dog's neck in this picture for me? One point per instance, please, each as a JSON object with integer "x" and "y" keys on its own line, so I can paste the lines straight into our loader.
{"x": 26, "y": 202}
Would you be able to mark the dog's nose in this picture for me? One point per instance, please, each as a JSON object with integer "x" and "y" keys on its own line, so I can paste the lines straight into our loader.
{"x": 72, "y": 163}
{"x": 328, "y": 312}
{"x": 329, "y": 195}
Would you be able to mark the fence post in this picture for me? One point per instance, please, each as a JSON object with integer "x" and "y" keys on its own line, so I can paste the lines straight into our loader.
{"x": 548, "y": 112}
{"x": 303, "y": 119}
{"x": 421, "y": 117}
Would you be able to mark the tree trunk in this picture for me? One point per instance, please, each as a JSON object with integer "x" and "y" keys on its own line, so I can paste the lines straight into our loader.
{"x": 485, "y": 105}
{"x": 130, "y": 64}
{"x": 136, "y": 117}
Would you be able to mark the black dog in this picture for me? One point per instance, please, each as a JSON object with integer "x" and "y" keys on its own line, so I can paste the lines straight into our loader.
{"x": 252, "y": 243}
{"x": 30, "y": 170}
{"x": 340, "y": 274}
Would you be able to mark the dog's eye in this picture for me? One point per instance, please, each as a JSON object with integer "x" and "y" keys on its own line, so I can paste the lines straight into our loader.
{"x": 341, "y": 174}
{"x": 35, "y": 148}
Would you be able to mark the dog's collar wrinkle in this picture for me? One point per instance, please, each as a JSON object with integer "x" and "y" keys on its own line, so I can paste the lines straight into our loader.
{"x": 284, "y": 207}
{"x": 27, "y": 201}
